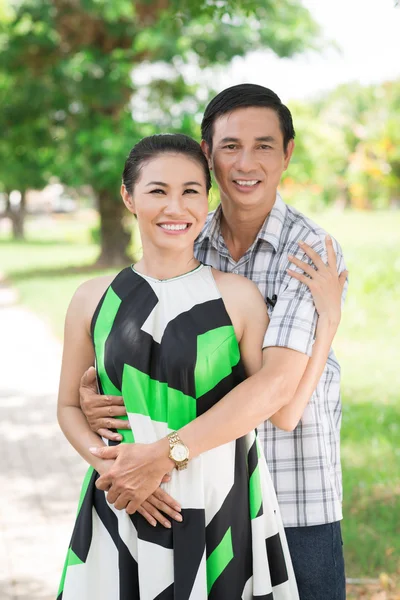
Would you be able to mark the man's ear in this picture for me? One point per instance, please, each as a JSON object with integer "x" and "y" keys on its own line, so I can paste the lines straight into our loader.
{"x": 128, "y": 200}
{"x": 288, "y": 154}
{"x": 206, "y": 150}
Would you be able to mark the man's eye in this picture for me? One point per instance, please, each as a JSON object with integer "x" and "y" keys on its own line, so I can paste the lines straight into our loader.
{"x": 230, "y": 146}
{"x": 265, "y": 147}
{"x": 157, "y": 191}
{"x": 190, "y": 191}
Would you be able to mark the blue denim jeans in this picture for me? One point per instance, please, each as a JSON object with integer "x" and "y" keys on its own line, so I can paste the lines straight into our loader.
{"x": 317, "y": 556}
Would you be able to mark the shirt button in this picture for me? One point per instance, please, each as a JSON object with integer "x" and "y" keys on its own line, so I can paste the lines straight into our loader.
{"x": 235, "y": 271}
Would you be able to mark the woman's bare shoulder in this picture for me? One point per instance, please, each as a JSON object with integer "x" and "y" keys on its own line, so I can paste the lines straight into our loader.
{"x": 88, "y": 295}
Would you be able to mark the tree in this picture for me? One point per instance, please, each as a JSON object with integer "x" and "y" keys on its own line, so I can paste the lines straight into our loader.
{"x": 84, "y": 54}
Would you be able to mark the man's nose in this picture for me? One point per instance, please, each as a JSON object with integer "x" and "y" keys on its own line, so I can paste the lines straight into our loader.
{"x": 245, "y": 161}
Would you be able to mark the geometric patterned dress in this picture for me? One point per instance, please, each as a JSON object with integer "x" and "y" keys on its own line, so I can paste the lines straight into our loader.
{"x": 169, "y": 348}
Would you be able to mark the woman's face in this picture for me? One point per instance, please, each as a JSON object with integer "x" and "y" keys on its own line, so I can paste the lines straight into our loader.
{"x": 170, "y": 201}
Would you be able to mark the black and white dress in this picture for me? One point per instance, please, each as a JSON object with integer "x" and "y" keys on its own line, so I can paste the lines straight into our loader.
{"x": 169, "y": 347}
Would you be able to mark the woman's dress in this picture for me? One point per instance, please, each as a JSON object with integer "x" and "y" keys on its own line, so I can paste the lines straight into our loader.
{"x": 169, "y": 348}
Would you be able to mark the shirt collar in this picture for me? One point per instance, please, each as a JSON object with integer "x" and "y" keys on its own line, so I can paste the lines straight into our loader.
{"x": 271, "y": 229}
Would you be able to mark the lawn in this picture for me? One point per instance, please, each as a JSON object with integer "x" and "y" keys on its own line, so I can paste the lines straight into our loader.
{"x": 47, "y": 269}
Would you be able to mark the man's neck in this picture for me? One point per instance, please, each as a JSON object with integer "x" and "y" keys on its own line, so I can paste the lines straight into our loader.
{"x": 240, "y": 228}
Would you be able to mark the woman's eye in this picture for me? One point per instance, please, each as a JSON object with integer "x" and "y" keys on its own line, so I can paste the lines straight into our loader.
{"x": 190, "y": 191}
{"x": 157, "y": 191}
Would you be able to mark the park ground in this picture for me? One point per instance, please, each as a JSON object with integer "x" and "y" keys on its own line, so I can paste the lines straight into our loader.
{"x": 45, "y": 270}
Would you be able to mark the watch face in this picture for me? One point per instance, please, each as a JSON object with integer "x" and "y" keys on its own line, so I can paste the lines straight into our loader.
{"x": 179, "y": 452}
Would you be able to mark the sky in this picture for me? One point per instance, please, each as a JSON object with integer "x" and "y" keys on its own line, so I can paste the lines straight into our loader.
{"x": 368, "y": 34}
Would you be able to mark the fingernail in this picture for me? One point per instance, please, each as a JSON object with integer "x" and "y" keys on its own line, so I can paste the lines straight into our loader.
{"x": 177, "y": 507}
{"x": 300, "y": 242}
{"x": 290, "y": 256}
{"x": 179, "y": 518}
{"x": 328, "y": 238}
{"x": 154, "y": 523}
{"x": 117, "y": 437}
{"x": 167, "y": 524}
{"x": 93, "y": 450}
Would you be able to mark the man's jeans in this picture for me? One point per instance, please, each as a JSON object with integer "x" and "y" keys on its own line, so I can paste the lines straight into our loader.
{"x": 317, "y": 556}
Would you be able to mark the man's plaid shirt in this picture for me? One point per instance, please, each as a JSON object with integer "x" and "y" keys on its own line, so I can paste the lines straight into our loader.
{"x": 305, "y": 463}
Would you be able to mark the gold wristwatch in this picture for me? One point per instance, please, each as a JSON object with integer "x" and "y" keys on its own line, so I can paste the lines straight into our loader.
{"x": 178, "y": 452}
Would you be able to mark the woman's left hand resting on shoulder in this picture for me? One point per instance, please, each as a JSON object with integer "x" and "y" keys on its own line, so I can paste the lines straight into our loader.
{"x": 323, "y": 282}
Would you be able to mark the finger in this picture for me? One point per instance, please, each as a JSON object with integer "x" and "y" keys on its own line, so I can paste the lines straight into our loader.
{"x": 166, "y": 478}
{"x": 114, "y": 424}
{"x": 167, "y": 499}
{"x": 105, "y": 452}
{"x": 104, "y": 483}
{"x": 315, "y": 257}
{"x": 112, "y": 494}
{"x": 142, "y": 511}
{"x": 110, "y": 435}
{"x": 89, "y": 377}
{"x": 302, "y": 278}
{"x": 157, "y": 515}
{"x": 132, "y": 507}
{"x": 165, "y": 508}
{"x": 121, "y": 502}
{"x": 331, "y": 253}
{"x": 342, "y": 278}
{"x": 302, "y": 265}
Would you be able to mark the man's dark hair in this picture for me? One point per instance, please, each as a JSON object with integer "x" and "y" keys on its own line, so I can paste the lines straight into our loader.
{"x": 242, "y": 96}
{"x": 166, "y": 143}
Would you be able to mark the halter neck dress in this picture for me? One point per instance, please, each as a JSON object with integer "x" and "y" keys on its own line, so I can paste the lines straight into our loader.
{"x": 169, "y": 348}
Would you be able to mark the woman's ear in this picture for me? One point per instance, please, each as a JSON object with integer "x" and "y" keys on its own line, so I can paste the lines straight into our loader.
{"x": 128, "y": 200}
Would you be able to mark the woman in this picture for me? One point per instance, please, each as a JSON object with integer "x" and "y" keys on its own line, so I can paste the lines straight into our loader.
{"x": 173, "y": 336}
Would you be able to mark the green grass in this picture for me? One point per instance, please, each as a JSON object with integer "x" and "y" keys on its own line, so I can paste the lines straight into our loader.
{"x": 47, "y": 269}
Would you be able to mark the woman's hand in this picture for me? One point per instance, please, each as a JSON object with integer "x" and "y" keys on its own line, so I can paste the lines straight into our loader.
{"x": 160, "y": 501}
{"x": 323, "y": 281}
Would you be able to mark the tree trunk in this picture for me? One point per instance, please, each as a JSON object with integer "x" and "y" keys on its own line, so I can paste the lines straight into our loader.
{"x": 114, "y": 238}
{"x": 17, "y": 216}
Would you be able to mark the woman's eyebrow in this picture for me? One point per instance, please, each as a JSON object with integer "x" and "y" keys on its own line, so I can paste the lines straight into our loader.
{"x": 192, "y": 183}
{"x": 161, "y": 183}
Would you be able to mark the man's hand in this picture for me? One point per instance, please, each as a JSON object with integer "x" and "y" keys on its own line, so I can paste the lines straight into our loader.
{"x": 100, "y": 410}
{"x": 136, "y": 474}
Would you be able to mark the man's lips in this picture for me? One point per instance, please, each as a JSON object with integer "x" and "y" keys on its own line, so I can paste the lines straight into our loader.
{"x": 246, "y": 185}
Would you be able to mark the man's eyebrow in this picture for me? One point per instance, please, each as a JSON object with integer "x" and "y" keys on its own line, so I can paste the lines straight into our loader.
{"x": 229, "y": 139}
{"x": 265, "y": 138}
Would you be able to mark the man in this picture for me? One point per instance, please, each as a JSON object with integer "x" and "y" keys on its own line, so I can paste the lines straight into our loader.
{"x": 248, "y": 139}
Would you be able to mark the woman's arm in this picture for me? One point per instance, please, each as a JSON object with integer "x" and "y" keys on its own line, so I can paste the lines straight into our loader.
{"x": 78, "y": 355}
{"x": 326, "y": 287}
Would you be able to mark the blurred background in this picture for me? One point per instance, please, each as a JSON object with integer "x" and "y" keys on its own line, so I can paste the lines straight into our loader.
{"x": 81, "y": 81}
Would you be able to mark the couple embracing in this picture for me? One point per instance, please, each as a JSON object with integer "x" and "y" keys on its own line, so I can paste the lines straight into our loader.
{"x": 213, "y": 436}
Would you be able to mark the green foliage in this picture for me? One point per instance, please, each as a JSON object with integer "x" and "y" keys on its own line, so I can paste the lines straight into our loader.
{"x": 68, "y": 68}
{"x": 348, "y": 147}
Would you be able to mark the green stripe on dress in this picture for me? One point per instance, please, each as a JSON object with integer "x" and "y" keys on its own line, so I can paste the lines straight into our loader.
{"x": 255, "y": 495}
{"x": 154, "y": 399}
{"x": 217, "y": 353}
{"x": 219, "y": 559}
{"x": 104, "y": 322}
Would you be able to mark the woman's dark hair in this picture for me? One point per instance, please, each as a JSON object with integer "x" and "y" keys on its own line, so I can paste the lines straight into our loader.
{"x": 242, "y": 96}
{"x": 165, "y": 143}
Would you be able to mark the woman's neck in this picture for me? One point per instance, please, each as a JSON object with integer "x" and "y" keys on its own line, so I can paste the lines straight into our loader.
{"x": 161, "y": 264}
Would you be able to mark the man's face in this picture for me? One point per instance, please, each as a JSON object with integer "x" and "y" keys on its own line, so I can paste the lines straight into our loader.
{"x": 248, "y": 157}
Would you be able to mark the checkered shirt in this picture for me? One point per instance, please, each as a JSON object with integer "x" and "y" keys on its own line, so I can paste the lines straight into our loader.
{"x": 304, "y": 463}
